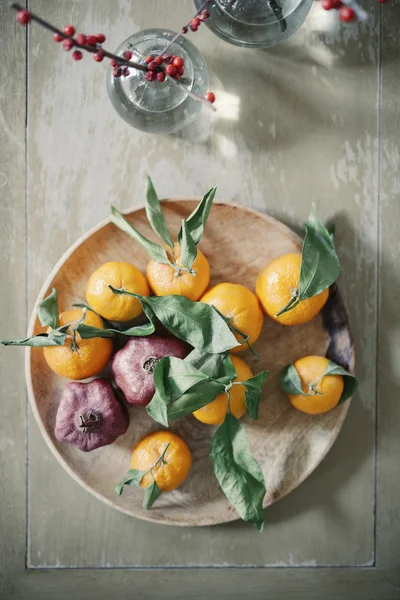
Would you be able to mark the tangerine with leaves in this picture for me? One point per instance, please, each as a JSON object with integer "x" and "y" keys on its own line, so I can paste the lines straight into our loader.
{"x": 165, "y": 279}
{"x": 215, "y": 412}
{"x": 276, "y": 286}
{"x": 321, "y": 392}
{"x": 114, "y": 307}
{"x": 170, "y": 472}
{"x": 175, "y": 268}
{"x": 241, "y": 309}
{"x": 294, "y": 288}
{"x": 78, "y": 358}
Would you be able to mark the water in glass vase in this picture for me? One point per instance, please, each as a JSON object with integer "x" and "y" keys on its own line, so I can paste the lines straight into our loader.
{"x": 256, "y": 23}
{"x": 152, "y": 106}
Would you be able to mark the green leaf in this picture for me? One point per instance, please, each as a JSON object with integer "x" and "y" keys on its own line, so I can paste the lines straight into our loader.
{"x": 193, "y": 322}
{"x": 209, "y": 364}
{"x": 237, "y": 471}
{"x": 133, "y": 478}
{"x": 319, "y": 261}
{"x": 155, "y": 214}
{"x": 188, "y": 248}
{"x": 151, "y": 493}
{"x": 254, "y": 387}
{"x": 172, "y": 378}
{"x": 48, "y": 311}
{"x": 196, "y": 222}
{"x": 88, "y": 331}
{"x": 157, "y": 408}
{"x": 156, "y": 252}
{"x": 290, "y": 381}
{"x": 350, "y": 381}
{"x": 177, "y": 377}
{"x": 196, "y": 397}
{"x": 56, "y": 337}
{"x": 227, "y": 373}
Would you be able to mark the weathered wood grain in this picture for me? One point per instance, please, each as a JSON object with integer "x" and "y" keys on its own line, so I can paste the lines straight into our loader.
{"x": 12, "y": 299}
{"x": 388, "y": 467}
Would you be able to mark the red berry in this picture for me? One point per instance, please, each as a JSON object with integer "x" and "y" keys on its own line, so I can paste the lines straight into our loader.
{"x": 210, "y": 97}
{"x": 150, "y": 75}
{"x": 113, "y": 62}
{"x": 81, "y": 39}
{"x": 327, "y": 4}
{"x": 69, "y": 30}
{"x": 101, "y": 38}
{"x": 347, "y": 14}
{"x": 117, "y": 72}
{"x": 161, "y": 76}
{"x": 77, "y": 55}
{"x": 98, "y": 57}
{"x": 68, "y": 44}
{"x": 149, "y": 59}
{"x": 128, "y": 55}
{"x": 153, "y": 65}
{"x": 126, "y": 71}
{"x": 168, "y": 58}
{"x": 170, "y": 70}
{"x": 176, "y": 76}
{"x": 91, "y": 40}
{"x": 158, "y": 60}
{"x": 180, "y": 71}
{"x": 194, "y": 27}
{"x": 23, "y": 17}
{"x": 184, "y": 30}
{"x": 337, "y": 3}
{"x": 57, "y": 37}
{"x": 178, "y": 61}
{"x": 195, "y": 22}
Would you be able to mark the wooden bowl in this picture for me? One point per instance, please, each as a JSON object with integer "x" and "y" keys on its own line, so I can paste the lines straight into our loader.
{"x": 288, "y": 444}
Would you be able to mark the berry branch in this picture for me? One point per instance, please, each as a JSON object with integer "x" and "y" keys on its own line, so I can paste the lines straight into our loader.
{"x": 156, "y": 68}
{"x": 89, "y": 43}
{"x": 194, "y": 23}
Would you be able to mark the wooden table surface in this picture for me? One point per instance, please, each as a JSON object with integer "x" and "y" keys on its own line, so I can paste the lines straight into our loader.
{"x": 316, "y": 119}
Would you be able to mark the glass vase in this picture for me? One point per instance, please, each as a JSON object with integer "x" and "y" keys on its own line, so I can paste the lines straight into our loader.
{"x": 256, "y": 23}
{"x": 152, "y": 106}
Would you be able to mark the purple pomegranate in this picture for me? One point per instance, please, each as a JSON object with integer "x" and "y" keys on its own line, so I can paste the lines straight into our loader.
{"x": 134, "y": 365}
{"x": 89, "y": 415}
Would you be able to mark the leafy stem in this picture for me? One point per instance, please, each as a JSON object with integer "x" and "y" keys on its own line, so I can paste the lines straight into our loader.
{"x": 135, "y": 477}
{"x": 74, "y": 330}
{"x": 293, "y": 302}
{"x": 234, "y": 329}
{"x": 229, "y": 397}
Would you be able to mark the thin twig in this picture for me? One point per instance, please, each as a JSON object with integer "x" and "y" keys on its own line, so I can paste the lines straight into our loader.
{"x": 92, "y": 49}
{"x": 192, "y": 94}
{"x": 178, "y": 35}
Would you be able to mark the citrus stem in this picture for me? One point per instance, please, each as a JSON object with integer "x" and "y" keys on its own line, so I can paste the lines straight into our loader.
{"x": 293, "y": 302}
{"x": 313, "y": 386}
{"x": 74, "y": 345}
{"x": 229, "y": 400}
